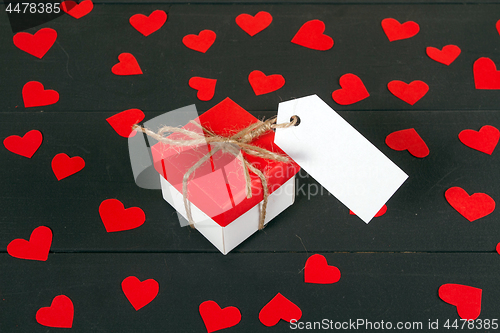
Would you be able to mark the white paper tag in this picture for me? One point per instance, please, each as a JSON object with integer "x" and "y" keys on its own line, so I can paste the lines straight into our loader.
{"x": 335, "y": 154}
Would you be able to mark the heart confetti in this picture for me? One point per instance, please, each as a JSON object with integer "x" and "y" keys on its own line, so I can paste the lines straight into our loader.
{"x": 408, "y": 139}
{"x": 205, "y": 87}
{"x": 467, "y": 299}
{"x": 26, "y": 145}
{"x": 445, "y": 56}
{"x": 262, "y": 84}
{"x": 311, "y": 35}
{"x": 486, "y": 75}
{"x": 35, "y": 95}
{"x": 64, "y": 166}
{"x": 138, "y": 293}
{"x": 77, "y": 10}
{"x": 216, "y": 318}
{"x": 397, "y": 31}
{"x": 471, "y": 207}
{"x": 59, "y": 314}
{"x": 498, "y": 248}
{"x": 498, "y": 26}
{"x": 200, "y": 42}
{"x": 410, "y": 93}
{"x": 127, "y": 65}
{"x": 279, "y": 308}
{"x": 318, "y": 271}
{"x": 252, "y": 25}
{"x": 122, "y": 122}
{"x": 353, "y": 90}
{"x": 485, "y": 140}
{"x": 381, "y": 212}
{"x": 146, "y": 25}
{"x": 37, "y": 248}
{"x": 38, "y": 44}
{"x": 115, "y": 217}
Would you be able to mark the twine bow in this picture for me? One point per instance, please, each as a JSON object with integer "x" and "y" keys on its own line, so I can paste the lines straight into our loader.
{"x": 233, "y": 145}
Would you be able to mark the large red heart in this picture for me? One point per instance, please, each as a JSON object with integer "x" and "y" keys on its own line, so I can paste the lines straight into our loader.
{"x": 279, "y": 308}
{"x": 60, "y": 313}
{"x": 205, "y": 87}
{"x": 37, "y": 248}
{"x": 353, "y": 90}
{"x": 471, "y": 207}
{"x": 216, "y": 318}
{"x": 486, "y": 75}
{"x": 318, "y": 271}
{"x": 410, "y": 93}
{"x": 252, "y": 25}
{"x": 200, "y": 42}
{"x": 77, "y": 10}
{"x": 38, "y": 44}
{"x": 381, "y": 212}
{"x": 467, "y": 299}
{"x": 445, "y": 56}
{"x": 122, "y": 122}
{"x": 115, "y": 217}
{"x": 485, "y": 140}
{"x": 264, "y": 84}
{"x": 408, "y": 139}
{"x": 26, "y": 145}
{"x": 64, "y": 166}
{"x": 311, "y": 35}
{"x": 127, "y": 65}
{"x": 35, "y": 95}
{"x": 138, "y": 293}
{"x": 396, "y": 31}
{"x": 146, "y": 25}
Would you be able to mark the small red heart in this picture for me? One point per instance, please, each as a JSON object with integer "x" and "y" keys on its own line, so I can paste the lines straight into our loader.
{"x": 279, "y": 308}
{"x": 471, "y": 207}
{"x": 122, "y": 122}
{"x": 138, "y": 293}
{"x": 26, "y": 145}
{"x": 264, "y": 84}
{"x": 353, "y": 90}
{"x": 77, "y": 10}
{"x": 60, "y": 313}
{"x": 216, "y": 318}
{"x": 498, "y": 26}
{"x": 127, "y": 65}
{"x": 64, "y": 166}
{"x": 410, "y": 93}
{"x": 485, "y": 140}
{"x": 200, "y": 42}
{"x": 146, "y": 25}
{"x": 311, "y": 35}
{"x": 205, "y": 87}
{"x": 252, "y": 25}
{"x": 498, "y": 248}
{"x": 38, "y": 44}
{"x": 396, "y": 31}
{"x": 318, "y": 271}
{"x": 37, "y": 248}
{"x": 381, "y": 212}
{"x": 486, "y": 75}
{"x": 445, "y": 56}
{"x": 466, "y": 299}
{"x": 408, "y": 139}
{"x": 35, "y": 95}
{"x": 115, "y": 217}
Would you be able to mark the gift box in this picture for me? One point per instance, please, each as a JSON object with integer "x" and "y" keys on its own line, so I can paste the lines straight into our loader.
{"x": 216, "y": 189}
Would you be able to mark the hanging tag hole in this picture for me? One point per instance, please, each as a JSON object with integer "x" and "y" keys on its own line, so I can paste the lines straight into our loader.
{"x": 296, "y": 118}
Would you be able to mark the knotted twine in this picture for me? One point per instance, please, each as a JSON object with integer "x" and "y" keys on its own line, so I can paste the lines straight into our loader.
{"x": 233, "y": 145}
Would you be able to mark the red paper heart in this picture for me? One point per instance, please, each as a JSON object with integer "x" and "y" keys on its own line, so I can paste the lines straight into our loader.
{"x": 318, "y": 271}
{"x": 279, "y": 308}
{"x": 64, "y": 166}
{"x": 216, "y": 318}
{"x": 410, "y": 93}
{"x": 77, "y": 10}
{"x": 381, "y": 212}
{"x": 38, "y": 44}
{"x": 486, "y": 75}
{"x": 408, "y": 139}
{"x": 485, "y": 140}
{"x": 200, "y": 42}
{"x": 37, "y": 248}
{"x": 59, "y": 314}
{"x": 115, "y": 217}
{"x": 396, "y": 31}
{"x": 445, "y": 56}
{"x": 138, "y": 293}
{"x": 205, "y": 87}
{"x": 122, "y": 122}
{"x": 262, "y": 84}
{"x": 498, "y": 26}
{"x": 353, "y": 90}
{"x": 498, "y": 248}
{"x": 35, "y": 95}
{"x": 26, "y": 145}
{"x": 471, "y": 207}
{"x": 311, "y": 35}
{"x": 252, "y": 25}
{"x": 127, "y": 65}
{"x": 146, "y": 25}
{"x": 466, "y": 299}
